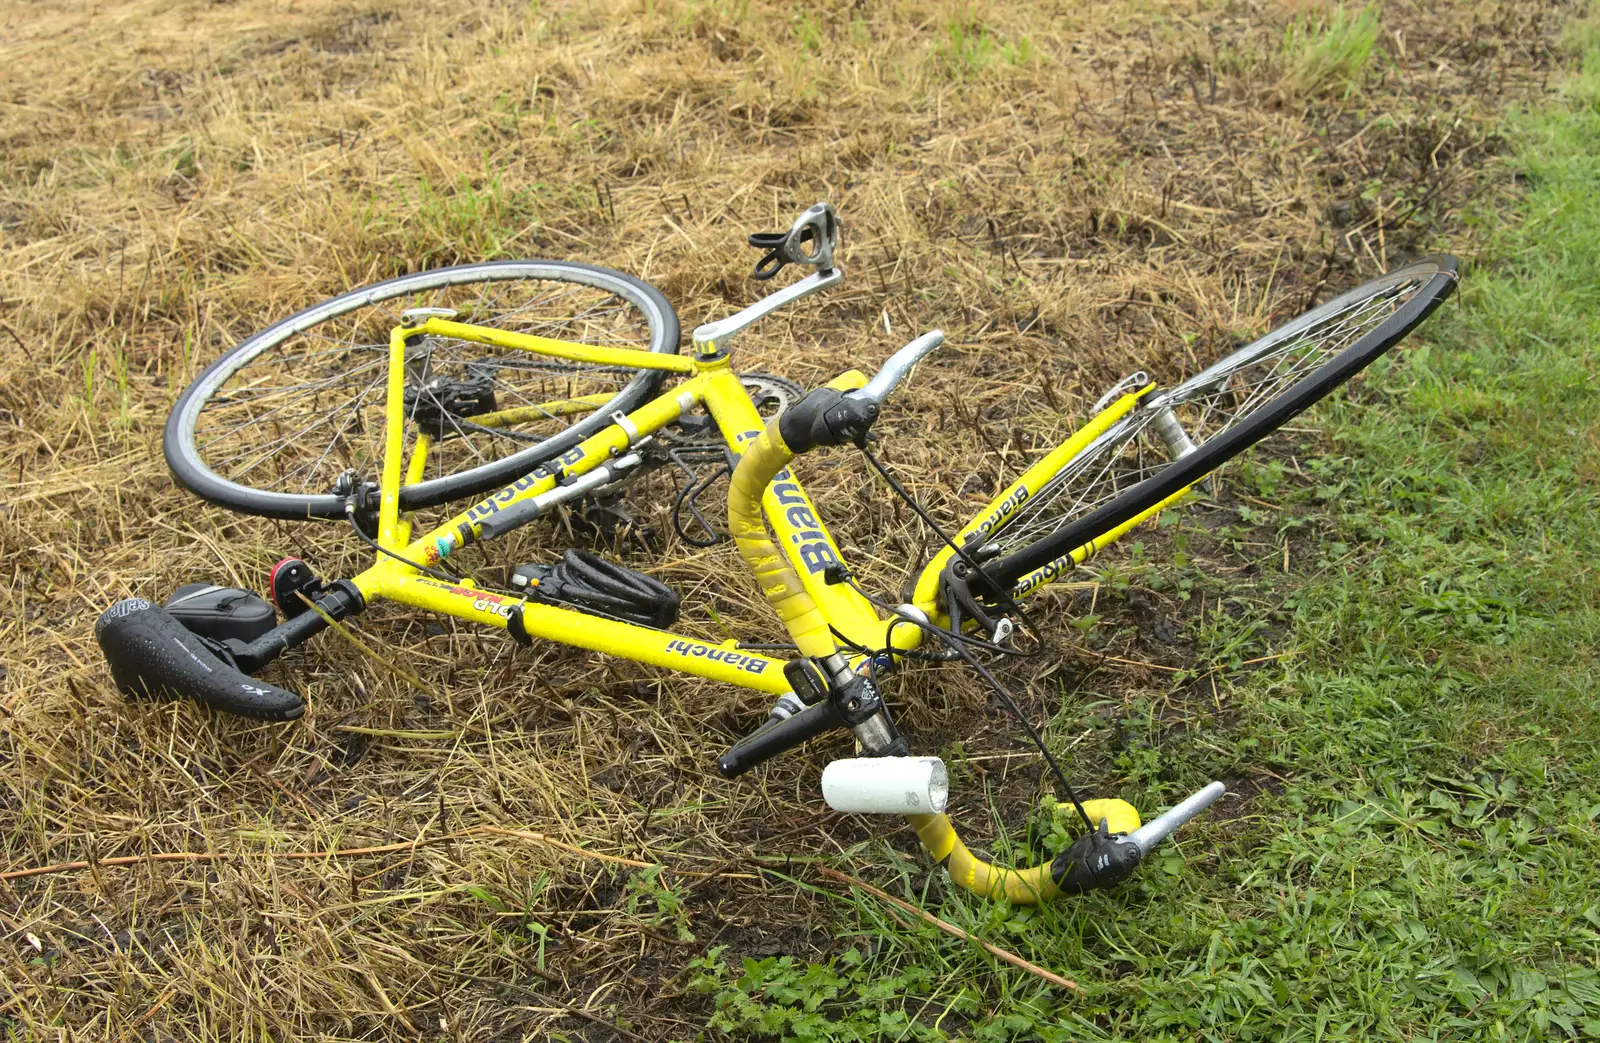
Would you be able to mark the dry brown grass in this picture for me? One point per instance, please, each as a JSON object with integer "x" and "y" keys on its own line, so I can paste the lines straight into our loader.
{"x": 1072, "y": 191}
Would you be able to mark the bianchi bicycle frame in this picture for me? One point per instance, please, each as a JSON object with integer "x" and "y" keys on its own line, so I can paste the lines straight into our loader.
{"x": 792, "y": 564}
{"x": 603, "y": 458}
{"x": 842, "y": 639}
{"x": 607, "y": 457}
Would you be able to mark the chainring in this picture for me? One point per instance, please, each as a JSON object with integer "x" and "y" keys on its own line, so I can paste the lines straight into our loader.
{"x": 681, "y": 444}
{"x": 771, "y": 395}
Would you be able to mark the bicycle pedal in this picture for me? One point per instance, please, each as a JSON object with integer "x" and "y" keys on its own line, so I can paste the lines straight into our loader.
{"x": 610, "y": 523}
{"x": 290, "y": 578}
{"x": 586, "y": 581}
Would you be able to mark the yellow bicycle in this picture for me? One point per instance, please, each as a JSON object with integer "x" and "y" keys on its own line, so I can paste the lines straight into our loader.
{"x": 538, "y": 384}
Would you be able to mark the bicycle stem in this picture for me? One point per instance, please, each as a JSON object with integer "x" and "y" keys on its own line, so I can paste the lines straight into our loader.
{"x": 714, "y": 336}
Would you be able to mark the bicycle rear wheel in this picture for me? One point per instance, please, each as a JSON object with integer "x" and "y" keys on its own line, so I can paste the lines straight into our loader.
{"x": 1173, "y": 439}
{"x": 271, "y": 426}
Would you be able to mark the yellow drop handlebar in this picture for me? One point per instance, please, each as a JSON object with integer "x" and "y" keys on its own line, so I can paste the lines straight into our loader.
{"x": 763, "y": 460}
{"x": 1038, "y": 883}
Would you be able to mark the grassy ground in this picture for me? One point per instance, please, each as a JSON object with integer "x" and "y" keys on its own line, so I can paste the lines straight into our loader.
{"x": 1072, "y": 194}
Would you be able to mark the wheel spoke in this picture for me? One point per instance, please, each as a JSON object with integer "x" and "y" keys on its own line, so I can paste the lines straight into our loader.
{"x": 338, "y": 436}
{"x": 1131, "y": 452}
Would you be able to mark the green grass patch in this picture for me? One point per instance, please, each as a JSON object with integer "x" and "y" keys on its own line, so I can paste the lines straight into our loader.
{"x": 1329, "y": 53}
{"x": 1422, "y": 860}
{"x": 965, "y": 46}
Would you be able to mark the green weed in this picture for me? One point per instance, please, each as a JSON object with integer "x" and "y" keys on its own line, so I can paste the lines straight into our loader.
{"x": 967, "y": 46}
{"x": 471, "y": 219}
{"x": 808, "y": 31}
{"x": 860, "y": 998}
{"x": 1329, "y": 54}
{"x": 658, "y": 903}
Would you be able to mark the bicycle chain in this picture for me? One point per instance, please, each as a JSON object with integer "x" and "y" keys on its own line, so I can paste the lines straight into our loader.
{"x": 690, "y": 444}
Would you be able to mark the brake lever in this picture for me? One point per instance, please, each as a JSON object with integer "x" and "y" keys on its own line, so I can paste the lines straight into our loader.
{"x": 1101, "y": 858}
{"x": 772, "y": 739}
{"x": 854, "y": 703}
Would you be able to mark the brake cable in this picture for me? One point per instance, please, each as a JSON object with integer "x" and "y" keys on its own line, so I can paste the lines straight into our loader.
{"x": 350, "y": 513}
{"x": 958, "y": 642}
{"x": 1007, "y": 601}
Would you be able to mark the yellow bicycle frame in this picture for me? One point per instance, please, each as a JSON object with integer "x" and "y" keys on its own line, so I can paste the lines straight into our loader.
{"x": 1023, "y": 490}
{"x": 712, "y": 384}
{"x": 788, "y": 511}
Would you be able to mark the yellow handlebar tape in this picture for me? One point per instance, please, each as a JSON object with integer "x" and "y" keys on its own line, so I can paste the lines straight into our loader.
{"x": 1017, "y": 886}
{"x": 763, "y": 460}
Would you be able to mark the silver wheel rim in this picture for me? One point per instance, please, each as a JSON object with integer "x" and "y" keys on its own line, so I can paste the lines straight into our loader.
{"x": 1129, "y": 452}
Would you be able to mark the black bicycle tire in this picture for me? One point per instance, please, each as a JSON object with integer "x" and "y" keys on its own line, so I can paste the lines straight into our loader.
{"x": 1005, "y": 572}
{"x": 191, "y": 473}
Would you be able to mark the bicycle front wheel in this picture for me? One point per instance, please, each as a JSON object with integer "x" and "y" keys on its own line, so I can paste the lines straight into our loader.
{"x": 1172, "y": 439}
{"x": 271, "y": 426}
